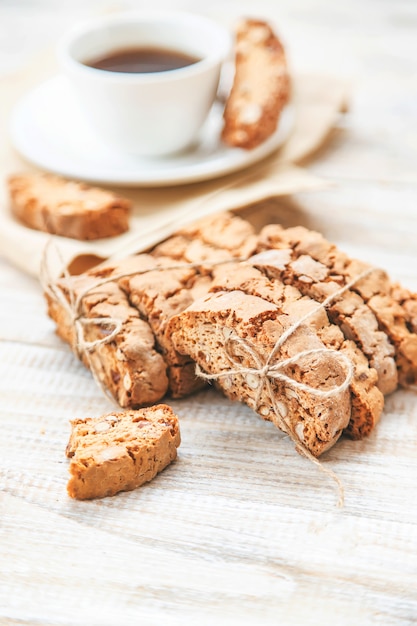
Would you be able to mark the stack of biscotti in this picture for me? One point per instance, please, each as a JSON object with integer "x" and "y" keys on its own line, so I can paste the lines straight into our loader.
{"x": 379, "y": 316}
{"x": 192, "y": 299}
{"x": 236, "y": 326}
{"x": 140, "y": 365}
{"x": 371, "y": 321}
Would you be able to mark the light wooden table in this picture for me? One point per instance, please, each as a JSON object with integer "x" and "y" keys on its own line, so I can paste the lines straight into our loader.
{"x": 240, "y": 530}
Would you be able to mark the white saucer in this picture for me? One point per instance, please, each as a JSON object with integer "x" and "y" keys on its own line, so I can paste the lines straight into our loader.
{"x": 49, "y": 130}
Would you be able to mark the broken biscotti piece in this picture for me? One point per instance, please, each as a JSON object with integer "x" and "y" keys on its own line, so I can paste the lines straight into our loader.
{"x": 251, "y": 278}
{"x": 260, "y": 89}
{"x": 70, "y": 209}
{"x": 120, "y": 451}
{"x": 226, "y": 332}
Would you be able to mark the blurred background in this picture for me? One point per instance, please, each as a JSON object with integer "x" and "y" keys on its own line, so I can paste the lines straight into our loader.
{"x": 345, "y": 37}
{"x": 370, "y": 43}
{"x": 373, "y": 43}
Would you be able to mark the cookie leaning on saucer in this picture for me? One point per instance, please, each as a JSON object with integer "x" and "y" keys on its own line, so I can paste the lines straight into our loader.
{"x": 260, "y": 89}
{"x": 71, "y": 209}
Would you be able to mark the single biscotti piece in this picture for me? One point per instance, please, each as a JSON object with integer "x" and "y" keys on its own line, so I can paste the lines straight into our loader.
{"x": 120, "y": 451}
{"x": 157, "y": 293}
{"x": 260, "y": 89}
{"x": 129, "y": 366}
{"x": 367, "y": 400}
{"x": 230, "y": 331}
{"x": 70, "y": 209}
{"x": 298, "y": 262}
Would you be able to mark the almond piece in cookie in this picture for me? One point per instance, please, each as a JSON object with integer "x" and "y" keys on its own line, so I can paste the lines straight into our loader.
{"x": 52, "y": 204}
{"x": 120, "y": 451}
{"x": 260, "y": 89}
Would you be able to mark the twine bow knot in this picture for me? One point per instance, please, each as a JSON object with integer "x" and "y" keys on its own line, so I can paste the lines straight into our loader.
{"x": 266, "y": 370}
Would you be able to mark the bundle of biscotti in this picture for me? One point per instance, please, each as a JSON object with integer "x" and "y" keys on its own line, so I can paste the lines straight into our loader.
{"x": 141, "y": 293}
{"x": 219, "y": 296}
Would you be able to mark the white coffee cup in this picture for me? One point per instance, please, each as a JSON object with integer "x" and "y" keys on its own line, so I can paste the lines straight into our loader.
{"x": 146, "y": 113}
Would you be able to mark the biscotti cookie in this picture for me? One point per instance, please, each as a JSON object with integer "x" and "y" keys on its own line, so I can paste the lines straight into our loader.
{"x": 367, "y": 400}
{"x": 157, "y": 292}
{"x": 260, "y": 89}
{"x": 297, "y": 263}
{"x": 70, "y": 209}
{"x": 120, "y": 451}
{"x": 230, "y": 331}
{"x": 216, "y": 238}
{"x": 223, "y": 231}
{"x": 129, "y": 366}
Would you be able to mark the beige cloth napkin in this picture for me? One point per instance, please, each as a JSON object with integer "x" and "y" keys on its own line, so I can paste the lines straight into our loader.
{"x": 157, "y": 212}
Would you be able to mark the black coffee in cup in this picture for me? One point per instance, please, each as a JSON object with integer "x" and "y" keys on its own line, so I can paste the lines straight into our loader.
{"x": 142, "y": 60}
